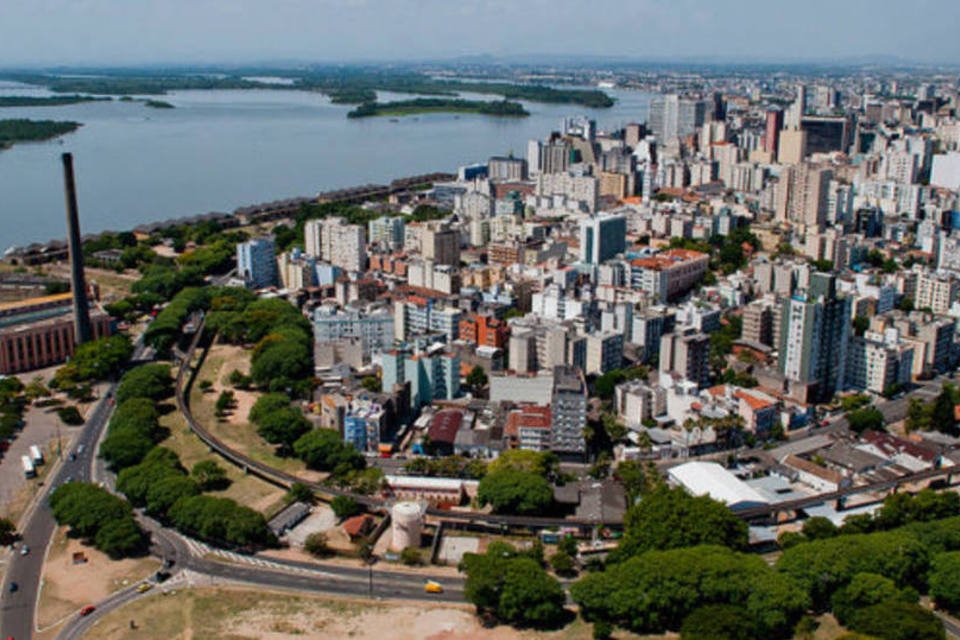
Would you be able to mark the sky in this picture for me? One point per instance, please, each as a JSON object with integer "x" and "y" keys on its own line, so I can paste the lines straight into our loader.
{"x": 132, "y": 32}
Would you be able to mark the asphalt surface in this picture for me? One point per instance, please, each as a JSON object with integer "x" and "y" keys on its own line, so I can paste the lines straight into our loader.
{"x": 17, "y": 610}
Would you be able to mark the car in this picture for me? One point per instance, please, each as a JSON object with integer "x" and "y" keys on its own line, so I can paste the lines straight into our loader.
{"x": 24, "y": 550}
{"x": 14, "y": 587}
{"x": 433, "y": 587}
{"x": 161, "y": 576}
{"x": 87, "y": 610}
{"x": 81, "y": 449}
{"x": 73, "y": 457}
{"x": 143, "y": 588}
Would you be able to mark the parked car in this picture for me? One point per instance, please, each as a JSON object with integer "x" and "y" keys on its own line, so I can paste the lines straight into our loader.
{"x": 87, "y": 610}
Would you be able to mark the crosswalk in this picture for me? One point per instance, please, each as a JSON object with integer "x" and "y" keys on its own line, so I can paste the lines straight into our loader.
{"x": 201, "y": 550}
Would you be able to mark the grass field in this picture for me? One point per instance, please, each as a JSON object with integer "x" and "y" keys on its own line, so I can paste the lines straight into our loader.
{"x": 236, "y": 430}
{"x": 246, "y": 489}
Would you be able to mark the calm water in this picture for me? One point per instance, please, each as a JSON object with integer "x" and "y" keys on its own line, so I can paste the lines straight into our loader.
{"x": 222, "y": 149}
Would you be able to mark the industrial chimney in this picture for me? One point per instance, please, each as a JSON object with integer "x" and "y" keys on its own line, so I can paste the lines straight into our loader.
{"x": 81, "y": 306}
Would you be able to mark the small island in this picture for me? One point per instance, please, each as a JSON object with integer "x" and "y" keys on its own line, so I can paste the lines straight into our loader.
{"x": 499, "y": 108}
{"x": 22, "y": 130}
{"x": 157, "y": 104}
{"x": 47, "y": 101}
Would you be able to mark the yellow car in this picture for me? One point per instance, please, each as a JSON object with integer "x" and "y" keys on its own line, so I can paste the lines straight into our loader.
{"x": 433, "y": 587}
{"x": 143, "y": 588}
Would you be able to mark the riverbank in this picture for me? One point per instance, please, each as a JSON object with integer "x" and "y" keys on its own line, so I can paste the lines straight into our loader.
{"x": 22, "y": 130}
{"x": 500, "y": 108}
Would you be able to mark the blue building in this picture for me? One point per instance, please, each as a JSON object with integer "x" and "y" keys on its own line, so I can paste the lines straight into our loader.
{"x": 257, "y": 263}
{"x": 434, "y": 375}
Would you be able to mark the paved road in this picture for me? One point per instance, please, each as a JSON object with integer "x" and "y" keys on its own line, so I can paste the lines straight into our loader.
{"x": 17, "y": 610}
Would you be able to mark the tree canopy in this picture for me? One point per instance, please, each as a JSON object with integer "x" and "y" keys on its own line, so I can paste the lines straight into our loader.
{"x": 669, "y": 518}
{"x": 515, "y": 491}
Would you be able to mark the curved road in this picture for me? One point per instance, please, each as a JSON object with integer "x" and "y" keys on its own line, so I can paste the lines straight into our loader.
{"x": 18, "y": 608}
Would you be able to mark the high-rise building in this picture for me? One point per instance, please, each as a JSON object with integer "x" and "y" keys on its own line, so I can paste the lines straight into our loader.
{"x": 568, "y": 411}
{"x": 313, "y": 238}
{"x": 686, "y": 354}
{"x": 793, "y": 146}
{"x": 440, "y": 243}
{"x": 602, "y": 237}
{"x": 345, "y": 246}
{"x": 827, "y": 133}
{"x": 809, "y": 197}
{"x": 814, "y": 335}
{"x": 508, "y": 169}
{"x": 936, "y": 291}
{"x": 555, "y": 157}
{"x": 434, "y": 375}
{"x": 691, "y": 114}
{"x": 257, "y": 263}
{"x": 664, "y": 113}
{"x": 387, "y": 230}
{"x": 771, "y": 138}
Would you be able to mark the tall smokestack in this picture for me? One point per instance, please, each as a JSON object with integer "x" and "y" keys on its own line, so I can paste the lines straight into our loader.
{"x": 81, "y": 306}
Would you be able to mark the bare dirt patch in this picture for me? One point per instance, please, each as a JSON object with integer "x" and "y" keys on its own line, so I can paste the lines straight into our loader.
{"x": 67, "y": 587}
{"x": 239, "y": 614}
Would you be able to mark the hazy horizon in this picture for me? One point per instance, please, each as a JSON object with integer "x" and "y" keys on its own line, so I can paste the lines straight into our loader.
{"x": 43, "y": 33}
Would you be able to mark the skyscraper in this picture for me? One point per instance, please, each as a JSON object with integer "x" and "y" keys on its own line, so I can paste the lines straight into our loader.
{"x": 771, "y": 139}
{"x": 815, "y": 331}
{"x": 664, "y": 112}
{"x": 257, "y": 263}
{"x": 602, "y": 237}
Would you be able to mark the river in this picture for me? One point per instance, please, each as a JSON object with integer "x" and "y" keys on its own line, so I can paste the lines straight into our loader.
{"x": 218, "y": 150}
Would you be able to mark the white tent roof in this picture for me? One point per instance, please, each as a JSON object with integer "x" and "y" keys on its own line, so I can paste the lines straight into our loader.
{"x": 711, "y": 479}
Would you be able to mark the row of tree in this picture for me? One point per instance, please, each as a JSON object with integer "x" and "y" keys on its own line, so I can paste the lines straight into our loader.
{"x": 99, "y": 518}
{"x": 682, "y": 566}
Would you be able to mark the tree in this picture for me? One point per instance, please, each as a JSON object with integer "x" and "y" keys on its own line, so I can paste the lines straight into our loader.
{"x": 818, "y": 527}
{"x": 162, "y": 495}
{"x": 919, "y": 416}
{"x": 151, "y": 381}
{"x": 210, "y": 476}
{"x": 898, "y": 621}
{"x": 477, "y": 378}
{"x": 563, "y": 564}
{"x": 657, "y": 590}
{"x": 370, "y": 383}
{"x": 344, "y": 507}
{"x": 865, "y": 419}
{"x": 221, "y": 521}
{"x": 323, "y": 450}
{"x": 864, "y": 590}
{"x": 125, "y": 448}
{"x": 283, "y": 427}
{"x": 411, "y": 557}
{"x": 530, "y": 597}
{"x": 945, "y": 581}
{"x": 541, "y": 463}
{"x": 97, "y": 360}
{"x": 120, "y": 538}
{"x": 317, "y": 544}
{"x": 516, "y": 492}
{"x": 266, "y": 405}
{"x": 670, "y": 517}
{"x": 8, "y": 531}
{"x": 225, "y": 401}
{"x": 822, "y": 567}
{"x": 70, "y": 415}
{"x": 513, "y": 588}
{"x": 942, "y": 416}
{"x": 718, "y": 622}
{"x": 299, "y": 492}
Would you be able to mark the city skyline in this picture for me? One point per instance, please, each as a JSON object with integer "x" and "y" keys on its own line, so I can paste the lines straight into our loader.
{"x": 97, "y": 32}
